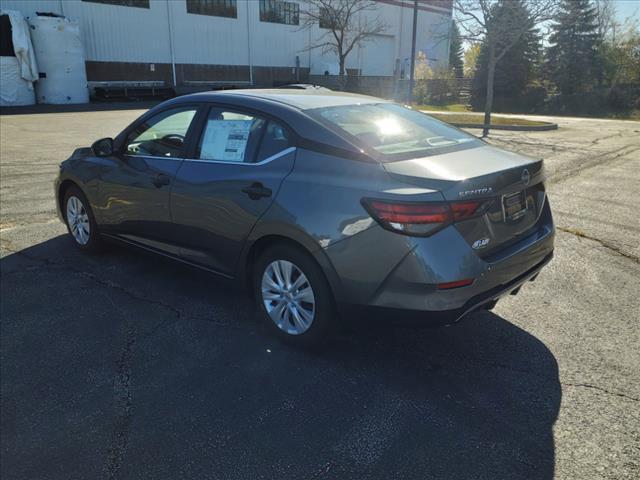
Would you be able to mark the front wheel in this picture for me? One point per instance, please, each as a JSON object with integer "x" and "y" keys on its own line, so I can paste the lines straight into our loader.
{"x": 80, "y": 221}
{"x": 293, "y": 296}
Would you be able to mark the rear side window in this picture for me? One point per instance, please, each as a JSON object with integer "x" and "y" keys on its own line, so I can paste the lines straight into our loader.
{"x": 238, "y": 137}
{"x": 275, "y": 140}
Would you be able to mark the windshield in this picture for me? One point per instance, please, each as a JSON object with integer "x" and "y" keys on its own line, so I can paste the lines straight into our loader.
{"x": 392, "y": 131}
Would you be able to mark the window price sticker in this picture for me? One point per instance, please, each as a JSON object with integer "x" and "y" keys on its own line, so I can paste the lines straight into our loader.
{"x": 225, "y": 140}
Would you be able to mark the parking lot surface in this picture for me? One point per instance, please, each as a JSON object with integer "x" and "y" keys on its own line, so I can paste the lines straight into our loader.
{"x": 127, "y": 366}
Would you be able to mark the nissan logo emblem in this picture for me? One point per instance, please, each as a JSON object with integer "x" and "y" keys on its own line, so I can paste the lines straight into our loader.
{"x": 526, "y": 176}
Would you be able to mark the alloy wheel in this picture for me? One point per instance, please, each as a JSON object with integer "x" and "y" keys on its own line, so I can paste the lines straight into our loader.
{"x": 78, "y": 220}
{"x": 288, "y": 297}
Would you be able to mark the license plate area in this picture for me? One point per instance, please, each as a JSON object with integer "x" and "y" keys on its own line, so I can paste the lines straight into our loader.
{"x": 514, "y": 206}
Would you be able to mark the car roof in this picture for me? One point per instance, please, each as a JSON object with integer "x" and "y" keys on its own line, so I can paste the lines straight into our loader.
{"x": 287, "y": 105}
{"x": 303, "y": 86}
{"x": 300, "y": 99}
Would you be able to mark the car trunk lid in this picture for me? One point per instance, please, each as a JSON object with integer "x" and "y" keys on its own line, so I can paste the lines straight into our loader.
{"x": 511, "y": 183}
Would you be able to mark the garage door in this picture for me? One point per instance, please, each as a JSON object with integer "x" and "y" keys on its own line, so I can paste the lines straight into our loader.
{"x": 378, "y": 55}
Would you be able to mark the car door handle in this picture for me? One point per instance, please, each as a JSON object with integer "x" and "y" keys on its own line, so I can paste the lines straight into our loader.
{"x": 161, "y": 179}
{"x": 256, "y": 191}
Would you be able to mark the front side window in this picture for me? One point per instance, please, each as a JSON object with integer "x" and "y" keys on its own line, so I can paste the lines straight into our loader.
{"x": 214, "y": 8}
{"x": 238, "y": 137}
{"x": 393, "y": 132}
{"x": 279, "y": 11}
{"x": 162, "y": 135}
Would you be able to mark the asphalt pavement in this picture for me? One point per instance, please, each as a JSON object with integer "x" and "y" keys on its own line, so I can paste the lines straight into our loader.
{"x": 124, "y": 366}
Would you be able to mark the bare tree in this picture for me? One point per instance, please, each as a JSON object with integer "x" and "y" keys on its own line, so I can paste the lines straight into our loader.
{"x": 606, "y": 16}
{"x": 483, "y": 21}
{"x": 348, "y": 23}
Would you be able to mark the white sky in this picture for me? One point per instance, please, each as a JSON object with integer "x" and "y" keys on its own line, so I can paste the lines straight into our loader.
{"x": 627, "y": 9}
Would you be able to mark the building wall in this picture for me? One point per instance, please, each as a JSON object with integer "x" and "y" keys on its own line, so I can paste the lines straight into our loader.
{"x": 134, "y": 44}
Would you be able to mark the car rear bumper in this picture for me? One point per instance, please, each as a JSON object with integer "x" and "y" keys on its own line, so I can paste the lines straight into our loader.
{"x": 435, "y": 318}
{"x": 410, "y": 288}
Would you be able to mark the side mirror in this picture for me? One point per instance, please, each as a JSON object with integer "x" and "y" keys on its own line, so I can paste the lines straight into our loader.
{"x": 103, "y": 147}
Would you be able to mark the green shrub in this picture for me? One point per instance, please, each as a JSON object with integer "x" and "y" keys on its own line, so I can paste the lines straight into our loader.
{"x": 600, "y": 102}
{"x": 622, "y": 98}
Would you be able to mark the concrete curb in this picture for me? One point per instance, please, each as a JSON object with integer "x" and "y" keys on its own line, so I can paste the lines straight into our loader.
{"x": 517, "y": 128}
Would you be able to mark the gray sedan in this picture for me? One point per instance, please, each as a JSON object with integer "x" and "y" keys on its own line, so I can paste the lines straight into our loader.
{"x": 324, "y": 205}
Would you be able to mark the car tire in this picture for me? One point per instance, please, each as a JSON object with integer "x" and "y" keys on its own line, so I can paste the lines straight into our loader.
{"x": 80, "y": 221}
{"x": 308, "y": 317}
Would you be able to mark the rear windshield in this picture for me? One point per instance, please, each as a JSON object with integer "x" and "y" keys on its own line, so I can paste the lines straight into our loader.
{"x": 393, "y": 132}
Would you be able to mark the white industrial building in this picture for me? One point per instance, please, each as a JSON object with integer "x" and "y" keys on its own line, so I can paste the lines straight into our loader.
{"x": 191, "y": 44}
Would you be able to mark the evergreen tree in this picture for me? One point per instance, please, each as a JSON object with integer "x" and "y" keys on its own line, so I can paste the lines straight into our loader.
{"x": 573, "y": 60}
{"x": 515, "y": 71}
{"x": 498, "y": 25}
{"x": 455, "y": 52}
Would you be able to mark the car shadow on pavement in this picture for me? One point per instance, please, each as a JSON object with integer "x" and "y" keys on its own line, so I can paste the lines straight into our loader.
{"x": 127, "y": 366}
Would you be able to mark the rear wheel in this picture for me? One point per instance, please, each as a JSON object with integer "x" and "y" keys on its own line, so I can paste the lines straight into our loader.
{"x": 293, "y": 296}
{"x": 80, "y": 221}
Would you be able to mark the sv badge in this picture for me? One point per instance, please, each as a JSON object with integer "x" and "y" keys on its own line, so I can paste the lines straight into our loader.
{"x": 480, "y": 243}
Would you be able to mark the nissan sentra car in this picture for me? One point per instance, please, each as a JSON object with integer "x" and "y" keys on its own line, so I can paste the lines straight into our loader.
{"x": 325, "y": 205}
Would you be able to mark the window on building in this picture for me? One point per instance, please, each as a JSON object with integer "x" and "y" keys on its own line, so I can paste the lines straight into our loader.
{"x": 326, "y": 19}
{"x": 122, "y": 3}
{"x": 214, "y": 8}
{"x": 278, "y": 11}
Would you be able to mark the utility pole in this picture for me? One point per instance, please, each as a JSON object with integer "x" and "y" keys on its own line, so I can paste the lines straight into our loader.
{"x": 413, "y": 49}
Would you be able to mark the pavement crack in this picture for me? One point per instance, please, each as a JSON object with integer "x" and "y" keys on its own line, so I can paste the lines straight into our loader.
{"x": 596, "y": 161}
{"x": 114, "y": 286}
{"x": 597, "y": 140}
{"x": 123, "y": 404}
{"x": 45, "y": 262}
{"x": 600, "y": 389}
{"x": 605, "y": 244}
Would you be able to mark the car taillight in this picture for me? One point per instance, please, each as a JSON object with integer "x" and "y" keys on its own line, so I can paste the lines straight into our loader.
{"x": 421, "y": 218}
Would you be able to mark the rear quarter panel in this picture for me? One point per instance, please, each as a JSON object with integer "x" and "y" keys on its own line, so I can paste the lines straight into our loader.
{"x": 319, "y": 206}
